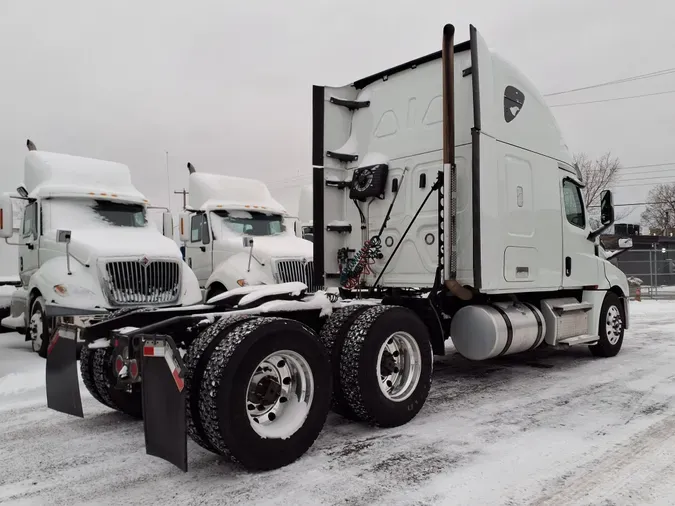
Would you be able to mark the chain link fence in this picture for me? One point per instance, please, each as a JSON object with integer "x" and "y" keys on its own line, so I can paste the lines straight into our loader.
{"x": 652, "y": 270}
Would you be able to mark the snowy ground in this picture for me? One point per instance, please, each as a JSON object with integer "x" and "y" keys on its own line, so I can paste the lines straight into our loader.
{"x": 549, "y": 428}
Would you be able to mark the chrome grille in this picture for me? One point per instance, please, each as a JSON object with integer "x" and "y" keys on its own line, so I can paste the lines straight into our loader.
{"x": 142, "y": 281}
{"x": 290, "y": 271}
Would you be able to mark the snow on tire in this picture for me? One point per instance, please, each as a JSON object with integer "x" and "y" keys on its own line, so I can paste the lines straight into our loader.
{"x": 386, "y": 365}
{"x": 332, "y": 336}
{"x": 195, "y": 360}
{"x": 265, "y": 393}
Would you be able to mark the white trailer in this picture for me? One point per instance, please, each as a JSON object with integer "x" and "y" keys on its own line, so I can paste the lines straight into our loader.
{"x": 501, "y": 260}
{"x": 236, "y": 234}
{"x": 85, "y": 242}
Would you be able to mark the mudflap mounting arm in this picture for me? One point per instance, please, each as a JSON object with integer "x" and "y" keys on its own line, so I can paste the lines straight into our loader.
{"x": 62, "y": 378}
{"x": 163, "y": 391}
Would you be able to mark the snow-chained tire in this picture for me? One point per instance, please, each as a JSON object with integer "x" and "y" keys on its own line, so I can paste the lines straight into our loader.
{"x": 611, "y": 327}
{"x": 196, "y": 359}
{"x": 332, "y": 335}
{"x": 249, "y": 416}
{"x": 386, "y": 365}
{"x": 96, "y": 370}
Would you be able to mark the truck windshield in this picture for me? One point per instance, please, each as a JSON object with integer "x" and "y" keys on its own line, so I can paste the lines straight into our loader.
{"x": 246, "y": 223}
{"x": 90, "y": 213}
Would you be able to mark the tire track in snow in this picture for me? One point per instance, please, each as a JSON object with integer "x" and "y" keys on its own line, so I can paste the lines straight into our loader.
{"x": 642, "y": 459}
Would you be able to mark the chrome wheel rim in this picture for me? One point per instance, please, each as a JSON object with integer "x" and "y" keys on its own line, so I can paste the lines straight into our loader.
{"x": 613, "y": 325}
{"x": 36, "y": 330}
{"x": 279, "y": 395}
{"x": 399, "y": 366}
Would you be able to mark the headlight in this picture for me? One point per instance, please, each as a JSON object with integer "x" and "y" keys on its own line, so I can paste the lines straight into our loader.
{"x": 72, "y": 290}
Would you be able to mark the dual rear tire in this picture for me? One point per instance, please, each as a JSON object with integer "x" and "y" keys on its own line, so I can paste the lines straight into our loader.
{"x": 258, "y": 390}
{"x": 381, "y": 361}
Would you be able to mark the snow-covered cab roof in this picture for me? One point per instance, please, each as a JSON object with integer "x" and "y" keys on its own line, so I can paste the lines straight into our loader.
{"x": 215, "y": 191}
{"x": 58, "y": 175}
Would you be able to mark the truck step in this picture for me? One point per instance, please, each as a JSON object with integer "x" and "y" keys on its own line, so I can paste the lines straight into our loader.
{"x": 579, "y": 306}
{"x": 583, "y": 339}
{"x": 350, "y": 104}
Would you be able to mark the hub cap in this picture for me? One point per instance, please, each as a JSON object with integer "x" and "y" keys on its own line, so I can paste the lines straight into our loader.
{"x": 36, "y": 330}
{"x": 613, "y": 325}
{"x": 279, "y": 395}
{"x": 399, "y": 365}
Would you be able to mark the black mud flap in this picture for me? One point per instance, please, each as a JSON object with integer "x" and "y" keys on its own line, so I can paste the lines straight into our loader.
{"x": 164, "y": 402}
{"x": 63, "y": 388}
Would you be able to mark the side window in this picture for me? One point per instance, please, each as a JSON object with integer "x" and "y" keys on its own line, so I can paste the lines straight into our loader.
{"x": 513, "y": 103}
{"x": 196, "y": 228}
{"x": 574, "y": 205}
{"x": 29, "y": 227}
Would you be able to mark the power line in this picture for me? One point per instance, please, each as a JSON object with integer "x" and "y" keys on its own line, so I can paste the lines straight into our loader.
{"x": 614, "y": 99}
{"x": 649, "y": 165}
{"x": 649, "y": 75}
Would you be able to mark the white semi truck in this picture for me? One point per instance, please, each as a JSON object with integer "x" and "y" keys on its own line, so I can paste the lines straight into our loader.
{"x": 445, "y": 206}
{"x": 85, "y": 242}
{"x": 235, "y": 234}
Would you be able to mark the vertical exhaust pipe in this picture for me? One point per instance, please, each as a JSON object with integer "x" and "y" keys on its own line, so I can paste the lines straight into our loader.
{"x": 191, "y": 168}
{"x": 449, "y": 166}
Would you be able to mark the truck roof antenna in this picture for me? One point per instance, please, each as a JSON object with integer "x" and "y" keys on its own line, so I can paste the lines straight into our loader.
{"x": 30, "y": 145}
{"x": 191, "y": 168}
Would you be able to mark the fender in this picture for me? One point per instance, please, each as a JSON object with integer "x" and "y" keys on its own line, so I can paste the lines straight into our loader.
{"x": 192, "y": 293}
{"x": 82, "y": 286}
{"x": 235, "y": 268}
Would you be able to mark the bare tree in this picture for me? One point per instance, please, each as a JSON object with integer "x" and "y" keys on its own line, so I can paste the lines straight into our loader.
{"x": 598, "y": 174}
{"x": 659, "y": 214}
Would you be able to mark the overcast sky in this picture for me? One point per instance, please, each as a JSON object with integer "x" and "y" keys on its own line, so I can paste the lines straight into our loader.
{"x": 227, "y": 85}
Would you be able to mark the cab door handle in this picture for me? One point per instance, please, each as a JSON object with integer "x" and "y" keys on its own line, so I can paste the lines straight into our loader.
{"x": 568, "y": 266}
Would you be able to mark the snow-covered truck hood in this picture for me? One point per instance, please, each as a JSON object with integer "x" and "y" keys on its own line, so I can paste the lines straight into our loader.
{"x": 87, "y": 245}
{"x": 281, "y": 246}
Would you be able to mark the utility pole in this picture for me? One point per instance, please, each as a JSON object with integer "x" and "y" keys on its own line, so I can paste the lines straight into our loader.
{"x": 185, "y": 193}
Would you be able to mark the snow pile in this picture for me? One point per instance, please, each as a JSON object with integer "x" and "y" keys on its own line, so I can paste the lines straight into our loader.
{"x": 294, "y": 289}
{"x": 13, "y": 322}
{"x": 19, "y": 382}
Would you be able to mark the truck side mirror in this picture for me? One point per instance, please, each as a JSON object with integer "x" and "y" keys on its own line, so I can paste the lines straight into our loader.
{"x": 184, "y": 226}
{"x": 63, "y": 236}
{"x": 6, "y": 217}
{"x": 606, "y": 208}
{"x": 167, "y": 225}
{"x": 625, "y": 243}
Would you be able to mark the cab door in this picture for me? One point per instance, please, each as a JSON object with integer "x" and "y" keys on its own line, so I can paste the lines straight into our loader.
{"x": 30, "y": 243}
{"x": 580, "y": 266}
{"x": 198, "y": 251}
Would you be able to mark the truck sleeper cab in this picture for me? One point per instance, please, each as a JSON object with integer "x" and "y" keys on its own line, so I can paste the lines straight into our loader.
{"x": 236, "y": 234}
{"x": 445, "y": 206}
{"x": 86, "y": 243}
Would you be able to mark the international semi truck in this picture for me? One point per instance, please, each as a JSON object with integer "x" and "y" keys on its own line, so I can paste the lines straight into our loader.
{"x": 236, "y": 234}
{"x": 85, "y": 241}
{"x": 446, "y": 207}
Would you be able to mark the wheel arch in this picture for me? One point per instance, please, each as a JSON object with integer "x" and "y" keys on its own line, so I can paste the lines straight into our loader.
{"x": 624, "y": 298}
{"x": 430, "y": 316}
